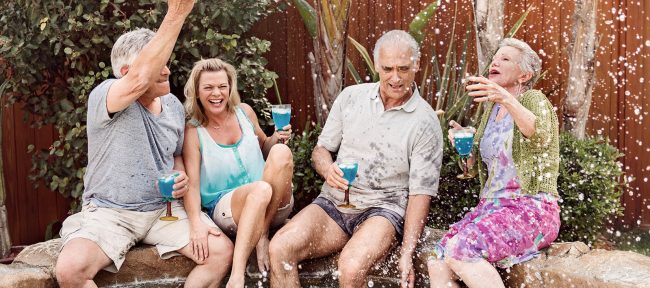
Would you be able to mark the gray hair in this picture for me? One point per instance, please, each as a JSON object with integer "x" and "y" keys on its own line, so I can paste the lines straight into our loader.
{"x": 127, "y": 48}
{"x": 395, "y": 38}
{"x": 529, "y": 62}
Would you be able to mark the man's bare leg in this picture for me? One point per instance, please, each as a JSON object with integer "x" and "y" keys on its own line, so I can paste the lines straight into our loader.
{"x": 369, "y": 244}
{"x": 79, "y": 262}
{"x": 309, "y": 234}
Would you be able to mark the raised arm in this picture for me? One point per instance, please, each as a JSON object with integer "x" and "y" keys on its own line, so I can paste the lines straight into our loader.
{"x": 147, "y": 68}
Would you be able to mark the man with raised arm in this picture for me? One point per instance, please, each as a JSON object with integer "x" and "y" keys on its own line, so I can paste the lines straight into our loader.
{"x": 135, "y": 134}
{"x": 395, "y": 137}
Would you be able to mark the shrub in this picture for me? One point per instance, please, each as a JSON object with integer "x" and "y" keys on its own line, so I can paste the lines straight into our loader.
{"x": 54, "y": 52}
{"x": 306, "y": 182}
{"x": 591, "y": 183}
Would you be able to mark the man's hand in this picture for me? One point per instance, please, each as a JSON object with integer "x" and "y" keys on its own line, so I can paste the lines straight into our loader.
{"x": 181, "y": 185}
{"x": 407, "y": 276}
{"x": 180, "y": 8}
{"x": 335, "y": 177}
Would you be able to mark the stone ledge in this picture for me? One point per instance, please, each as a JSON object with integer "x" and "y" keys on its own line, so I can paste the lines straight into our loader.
{"x": 562, "y": 265}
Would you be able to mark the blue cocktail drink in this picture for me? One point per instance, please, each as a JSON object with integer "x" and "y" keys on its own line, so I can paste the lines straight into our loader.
{"x": 281, "y": 115}
{"x": 349, "y": 168}
{"x": 166, "y": 187}
{"x": 463, "y": 141}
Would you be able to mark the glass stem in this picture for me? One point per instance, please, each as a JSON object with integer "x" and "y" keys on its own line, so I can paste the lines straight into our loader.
{"x": 465, "y": 166}
{"x": 347, "y": 196}
{"x": 169, "y": 209}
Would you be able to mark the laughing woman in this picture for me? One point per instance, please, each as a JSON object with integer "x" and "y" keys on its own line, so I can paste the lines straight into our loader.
{"x": 224, "y": 153}
{"x": 517, "y": 154}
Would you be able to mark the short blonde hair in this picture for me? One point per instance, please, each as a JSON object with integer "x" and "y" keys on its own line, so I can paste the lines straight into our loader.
{"x": 193, "y": 106}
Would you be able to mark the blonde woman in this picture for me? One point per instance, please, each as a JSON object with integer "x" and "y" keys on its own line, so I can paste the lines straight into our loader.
{"x": 224, "y": 154}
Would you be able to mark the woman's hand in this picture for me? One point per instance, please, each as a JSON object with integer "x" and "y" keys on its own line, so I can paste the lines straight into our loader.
{"x": 181, "y": 183}
{"x": 199, "y": 232}
{"x": 283, "y": 135}
{"x": 335, "y": 177}
{"x": 455, "y": 127}
{"x": 486, "y": 90}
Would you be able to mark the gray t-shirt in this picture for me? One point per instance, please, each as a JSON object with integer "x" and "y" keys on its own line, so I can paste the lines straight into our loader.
{"x": 399, "y": 150}
{"x": 128, "y": 151}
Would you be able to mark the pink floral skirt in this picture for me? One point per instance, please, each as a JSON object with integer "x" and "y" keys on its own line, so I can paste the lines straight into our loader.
{"x": 503, "y": 231}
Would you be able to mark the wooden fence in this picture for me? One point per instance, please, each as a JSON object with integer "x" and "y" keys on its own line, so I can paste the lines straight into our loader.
{"x": 619, "y": 109}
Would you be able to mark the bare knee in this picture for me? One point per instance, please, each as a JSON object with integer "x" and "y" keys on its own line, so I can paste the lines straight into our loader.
{"x": 262, "y": 194}
{"x": 221, "y": 253}
{"x": 351, "y": 269}
{"x": 280, "y": 157}
{"x": 71, "y": 271}
{"x": 279, "y": 250}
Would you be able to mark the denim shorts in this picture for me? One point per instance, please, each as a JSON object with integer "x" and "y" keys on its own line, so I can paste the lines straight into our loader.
{"x": 349, "y": 221}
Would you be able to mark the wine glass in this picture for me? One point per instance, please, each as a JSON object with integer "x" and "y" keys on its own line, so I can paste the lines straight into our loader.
{"x": 166, "y": 187}
{"x": 349, "y": 168}
{"x": 281, "y": 114}
{"x": 463, "y": 141}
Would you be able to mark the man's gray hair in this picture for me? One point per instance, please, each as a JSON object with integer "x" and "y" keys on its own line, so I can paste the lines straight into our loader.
{"x": 395, "y": 38}
{"x": 127, "y": 48}
{"x": 529, "y": 62}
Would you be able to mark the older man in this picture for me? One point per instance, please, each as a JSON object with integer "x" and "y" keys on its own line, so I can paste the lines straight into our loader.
{"x": 395, "y": 137}
{"x": 135, "y": 134}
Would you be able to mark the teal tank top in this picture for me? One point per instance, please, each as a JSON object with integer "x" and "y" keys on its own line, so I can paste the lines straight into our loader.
{"x": 226, "y": 167}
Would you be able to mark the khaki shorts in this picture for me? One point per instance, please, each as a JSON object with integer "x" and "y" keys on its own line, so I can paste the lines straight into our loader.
{"x": 222, "y": 215}
{"x": 117, "y": 230}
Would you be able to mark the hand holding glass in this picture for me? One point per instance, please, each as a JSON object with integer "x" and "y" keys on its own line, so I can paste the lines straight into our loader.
{"x": 349, "y": 168}
{"x": 463, "y": 141}
{"x": 281, "y": 114}
{"x": 166, "y": 187}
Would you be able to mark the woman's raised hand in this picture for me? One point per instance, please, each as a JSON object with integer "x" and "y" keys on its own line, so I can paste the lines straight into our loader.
{"x": 485, "y": 90}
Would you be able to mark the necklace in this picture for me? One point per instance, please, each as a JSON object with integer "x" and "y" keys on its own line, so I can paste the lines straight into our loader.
{"x": 217, "y": 127}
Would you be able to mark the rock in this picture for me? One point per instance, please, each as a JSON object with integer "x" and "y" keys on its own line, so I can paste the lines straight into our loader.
{"x": 573, "y": 265}
{"x": 561, "y": 265}
{"x": 18, "y": 275}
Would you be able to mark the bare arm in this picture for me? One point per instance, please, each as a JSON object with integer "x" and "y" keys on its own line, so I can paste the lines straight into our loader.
{"x": 192, "y": 165}
{"x": 146, "y": 69}
{"x": 487, "y": 90}
{"x": 324, "y": 165}
{"x": 417, "y": 210}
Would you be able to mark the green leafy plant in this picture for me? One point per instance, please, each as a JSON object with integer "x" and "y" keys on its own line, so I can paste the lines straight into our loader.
{"x": 591, "y": 183}
{"x": 306, "y": 182}
{"x": 54, "y": 52}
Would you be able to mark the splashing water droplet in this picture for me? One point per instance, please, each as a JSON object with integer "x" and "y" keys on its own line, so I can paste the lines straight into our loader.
{"x": 287, "y": 266}
{"x": 370, "y": 283}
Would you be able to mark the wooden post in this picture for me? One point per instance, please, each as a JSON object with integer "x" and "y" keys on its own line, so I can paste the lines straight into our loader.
{"x": 5, "y": 240}
{"x": 489, "y": 29}
{"x": 582, "y": 52}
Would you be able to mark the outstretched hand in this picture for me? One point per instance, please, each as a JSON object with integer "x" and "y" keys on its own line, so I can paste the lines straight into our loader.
{"x": 407, "y": 275}
{"x": 180, "y": 7}
{"x": 486, "y": 90}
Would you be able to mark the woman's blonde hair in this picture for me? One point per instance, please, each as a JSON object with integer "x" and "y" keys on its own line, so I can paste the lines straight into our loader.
{"x": 193, "y": 106}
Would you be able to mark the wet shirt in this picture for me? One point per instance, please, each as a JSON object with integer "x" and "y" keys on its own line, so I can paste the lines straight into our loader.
{"x": 226, "y": 167}
{"x": 130, "y": 150}
{"x": 399, "y": 150}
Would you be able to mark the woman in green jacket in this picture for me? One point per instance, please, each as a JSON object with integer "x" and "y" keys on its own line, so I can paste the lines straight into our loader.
{"x": 516, "y": 148}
